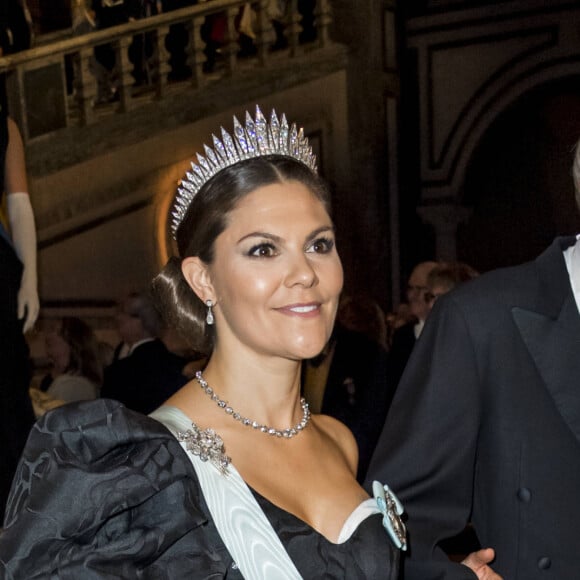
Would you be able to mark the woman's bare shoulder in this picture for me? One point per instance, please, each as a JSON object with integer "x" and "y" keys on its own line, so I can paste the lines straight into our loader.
{"x": 341, "y": 436}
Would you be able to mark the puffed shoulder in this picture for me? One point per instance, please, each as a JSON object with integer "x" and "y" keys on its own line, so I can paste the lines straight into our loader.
{"x": 104, "y": 492}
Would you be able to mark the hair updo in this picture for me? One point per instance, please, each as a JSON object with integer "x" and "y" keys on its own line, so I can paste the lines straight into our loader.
{"x": 205, "y": 220}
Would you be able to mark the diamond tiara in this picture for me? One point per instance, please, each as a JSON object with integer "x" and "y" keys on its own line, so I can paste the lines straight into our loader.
{"x": 256, "y": 139}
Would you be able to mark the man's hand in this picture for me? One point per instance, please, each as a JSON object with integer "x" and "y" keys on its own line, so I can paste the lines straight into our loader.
{"x": 478, "y": 562}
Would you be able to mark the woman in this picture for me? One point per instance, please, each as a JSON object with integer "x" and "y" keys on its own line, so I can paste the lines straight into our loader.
{"x": 256, "y": 486}
{"x": 269, "y": 282}
{"x": 76, "y": 373}
{"x": 18, "y": 286}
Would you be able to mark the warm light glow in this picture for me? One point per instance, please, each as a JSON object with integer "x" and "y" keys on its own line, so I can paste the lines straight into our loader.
{"x": 163, "y": 201}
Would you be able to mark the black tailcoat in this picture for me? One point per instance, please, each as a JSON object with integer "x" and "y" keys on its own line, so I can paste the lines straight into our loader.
{"x": 357, "y": 391}
{"x": 485, "y": 425}
{"x": 401, "y": 348}
{"x": 146, "y": 378}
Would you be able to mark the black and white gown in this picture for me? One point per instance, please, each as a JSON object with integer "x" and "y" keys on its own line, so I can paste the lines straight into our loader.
{"x": 104, "y": 492}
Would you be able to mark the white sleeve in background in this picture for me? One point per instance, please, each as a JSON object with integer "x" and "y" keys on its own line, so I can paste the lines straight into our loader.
{"x": 22, "y": 226}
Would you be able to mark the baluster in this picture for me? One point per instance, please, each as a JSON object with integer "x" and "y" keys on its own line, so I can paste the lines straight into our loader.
{"x": 17, "y": 100}
{"x": 123, "y": 68}
{"x": 265, "y": 34}
{"x": 323, "y": 19}
{"x": 160, "y": 61}
{"x": 85, "y": 84}
{"x": 294, "y": 28}
{"x": 231, "y": 47}
{"x": 195, "y": 51}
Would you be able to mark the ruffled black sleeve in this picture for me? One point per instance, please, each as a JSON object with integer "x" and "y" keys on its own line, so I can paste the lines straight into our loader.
{"x": 103, "y": 492}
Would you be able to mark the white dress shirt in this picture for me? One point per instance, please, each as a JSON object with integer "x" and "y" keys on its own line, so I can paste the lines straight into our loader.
{"x": 572, "y": 258}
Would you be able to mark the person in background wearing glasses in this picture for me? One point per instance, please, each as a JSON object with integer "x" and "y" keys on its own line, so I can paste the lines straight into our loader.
{"x": 404, "y": 338}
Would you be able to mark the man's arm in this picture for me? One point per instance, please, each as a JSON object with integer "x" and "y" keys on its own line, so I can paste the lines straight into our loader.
{"x": 426, "y": 452}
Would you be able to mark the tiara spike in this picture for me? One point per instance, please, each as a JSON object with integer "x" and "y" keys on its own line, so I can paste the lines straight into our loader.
{"x": 255, "y": 139}
{"x": 198, "y": 172}
{"x": 221, "y": 151}
{"x": 274, "y": 131}
{"x": 261, "y": 133}
{"x": 241, "y": 140}
{"x": 193, "y": 178}
{"x": 185, "y": 196}
{"x": 211, "y": 156}
{"x": 202, "y": 161}
{"x": 284, "y": 134}
{"x": 251, "y": 133}
{"x": 231, "y": 152}
{"x": 188, "y": 185}
{"x": 293, "y": 140}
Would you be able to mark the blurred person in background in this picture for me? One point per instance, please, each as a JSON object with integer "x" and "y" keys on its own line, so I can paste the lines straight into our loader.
{"x": 446, "y": 276}
{"x": 106, "y": 14}
{"x": 76, "y": 371}
{"x": 19, "y": 302}
{"x": 404, "y": 338}
{"x": 16, "y": 21}
{"x": 361, "y": 313}
{"x": 149, "y": 373}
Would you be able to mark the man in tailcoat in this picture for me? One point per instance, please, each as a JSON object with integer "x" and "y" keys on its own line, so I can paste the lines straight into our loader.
{"x": 355, "y": 390}
{"x": 405, "y": 337}
{"x": 485, "y": 425}
{"x": 149, "y": 373}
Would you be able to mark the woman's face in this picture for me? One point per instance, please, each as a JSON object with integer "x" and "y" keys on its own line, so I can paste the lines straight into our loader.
{"x": 276, "y": 275}
{"x": 57, "y": 350}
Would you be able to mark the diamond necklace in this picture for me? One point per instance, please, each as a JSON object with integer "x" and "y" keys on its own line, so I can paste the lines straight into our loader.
{"x": 286, "y": 433}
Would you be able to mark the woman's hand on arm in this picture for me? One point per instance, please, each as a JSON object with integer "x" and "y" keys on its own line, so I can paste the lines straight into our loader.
{"x": 478, "y": 563}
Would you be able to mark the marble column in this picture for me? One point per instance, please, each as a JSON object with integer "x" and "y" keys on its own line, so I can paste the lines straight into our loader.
{"x": 445, "y": 219}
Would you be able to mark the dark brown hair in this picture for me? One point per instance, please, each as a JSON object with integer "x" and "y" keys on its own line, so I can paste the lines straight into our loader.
{"x": 205, "y": 220}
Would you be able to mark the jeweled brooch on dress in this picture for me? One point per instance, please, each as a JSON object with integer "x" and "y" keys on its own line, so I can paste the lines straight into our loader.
{"x": 207, "y": 445}
{"x": 392, "y": 509}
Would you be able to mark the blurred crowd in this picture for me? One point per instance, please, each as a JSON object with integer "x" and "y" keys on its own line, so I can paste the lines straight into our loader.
{"x": 146, "y": 366}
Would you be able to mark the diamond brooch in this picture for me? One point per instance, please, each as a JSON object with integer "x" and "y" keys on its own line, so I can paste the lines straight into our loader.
{"x": 207, "y": 445}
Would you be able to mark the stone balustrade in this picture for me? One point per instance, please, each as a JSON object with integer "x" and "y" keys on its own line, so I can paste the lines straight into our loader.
{"x": 54, "y": 86}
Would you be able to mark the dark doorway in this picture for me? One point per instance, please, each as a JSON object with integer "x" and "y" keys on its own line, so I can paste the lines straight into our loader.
{"x": 519, "y": 180}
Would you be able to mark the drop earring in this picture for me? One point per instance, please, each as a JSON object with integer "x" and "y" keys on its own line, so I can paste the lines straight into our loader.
{"x": 209, "y": 319}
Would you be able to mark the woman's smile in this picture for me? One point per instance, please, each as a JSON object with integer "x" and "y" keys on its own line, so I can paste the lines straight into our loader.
{"x": 303, "y": 310}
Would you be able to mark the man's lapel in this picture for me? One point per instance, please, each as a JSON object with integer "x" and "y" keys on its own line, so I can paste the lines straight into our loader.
{"x": 551, "y": 334}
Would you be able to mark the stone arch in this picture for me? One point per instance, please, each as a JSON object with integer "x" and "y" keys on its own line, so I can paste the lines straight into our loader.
{"x": 518, "y": 181}
{"x": 504, "y": 96}
{"x": 473, "y": 65}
